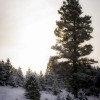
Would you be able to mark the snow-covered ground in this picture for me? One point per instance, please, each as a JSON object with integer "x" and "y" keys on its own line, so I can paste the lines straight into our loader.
{"x": 47, "y": 96}
{"x": 9, "y": 93}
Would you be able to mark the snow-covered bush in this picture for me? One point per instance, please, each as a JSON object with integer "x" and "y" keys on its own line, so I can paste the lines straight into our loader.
{"x": 81, "y": 95}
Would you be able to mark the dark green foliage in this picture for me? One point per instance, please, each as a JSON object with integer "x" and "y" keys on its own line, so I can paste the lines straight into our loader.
{"x": 8, "y": 69}
{"x": 5, "y": 72}
{"x": 20, "y": 77}
{"x": 2, "y": 73}
{"x": 16, "y": 78}
{"x": 72, "y": 31}
{"x": 52, "y": 83}
{"x": 29, "y": 73}
{"x": 9, "y": 75}
{"x": 13, "y": 78}
{"x": 97, "y": 83}
{"x": 32, "y": 89}
{"x": 41, "y": 81}
{"x": 54, "y": 74}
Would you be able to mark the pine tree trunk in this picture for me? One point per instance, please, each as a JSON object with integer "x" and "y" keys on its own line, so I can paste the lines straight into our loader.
{"x": 75, "y": 89}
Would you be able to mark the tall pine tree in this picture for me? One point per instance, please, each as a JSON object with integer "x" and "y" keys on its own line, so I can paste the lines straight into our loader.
{"x": 73, "y": 29}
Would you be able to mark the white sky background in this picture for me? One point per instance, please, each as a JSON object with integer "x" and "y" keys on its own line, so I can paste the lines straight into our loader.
{"x": 26, "y": 30}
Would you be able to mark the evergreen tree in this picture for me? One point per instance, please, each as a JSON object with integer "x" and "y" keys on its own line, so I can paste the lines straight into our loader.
{"x": 51, "y": 82}
{"x": 72, "y": 31}
{"x": 16, "y": 78}
{"x": 8, "y": 69}
{"x": 55, "y": 85}
{"x": 41, "y": 81}
{"x": 56, "y": 68}
{"x": 32, "y": 89}
{"x": 29, "y": 73}
{"x": 20, "y": 77}
{"x": 2, "y": 73}
{"x": 13, "y": 79}
{"x": 50, "y": 75}
{"x": 5, "y": 71}
{"x": 9, "y": 75}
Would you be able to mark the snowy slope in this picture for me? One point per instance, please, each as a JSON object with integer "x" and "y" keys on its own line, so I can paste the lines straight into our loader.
{"x": 9, "y": 93}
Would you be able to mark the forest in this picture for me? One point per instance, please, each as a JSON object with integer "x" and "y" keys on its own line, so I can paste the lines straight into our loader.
{"x": 70, "y": 69}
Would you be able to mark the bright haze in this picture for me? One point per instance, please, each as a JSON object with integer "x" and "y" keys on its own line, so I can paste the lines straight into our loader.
{"x": 27, "y": 31}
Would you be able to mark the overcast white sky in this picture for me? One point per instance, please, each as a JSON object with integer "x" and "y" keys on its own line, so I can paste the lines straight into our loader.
{"x": 26, "y": 30}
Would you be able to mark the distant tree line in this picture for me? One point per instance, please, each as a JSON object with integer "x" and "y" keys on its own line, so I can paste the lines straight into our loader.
{"x": 56, "y": 77}
{"x": 10, "y": 75}
{"x": 32, "y": 82}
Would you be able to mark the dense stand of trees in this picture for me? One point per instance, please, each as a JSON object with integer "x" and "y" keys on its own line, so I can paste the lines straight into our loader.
{"x": 10, "y": 75}
{"x": 53, "y": 80}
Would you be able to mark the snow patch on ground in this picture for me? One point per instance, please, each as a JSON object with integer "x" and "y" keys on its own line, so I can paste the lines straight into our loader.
{"x": 92, "y": 98}
{"x": 9, "y": 93}
{"x": 47, "y": 96}
{"x": 64, "y": 94}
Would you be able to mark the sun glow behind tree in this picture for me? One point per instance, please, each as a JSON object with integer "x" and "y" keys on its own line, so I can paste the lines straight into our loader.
{"x": 26, "y": 31}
